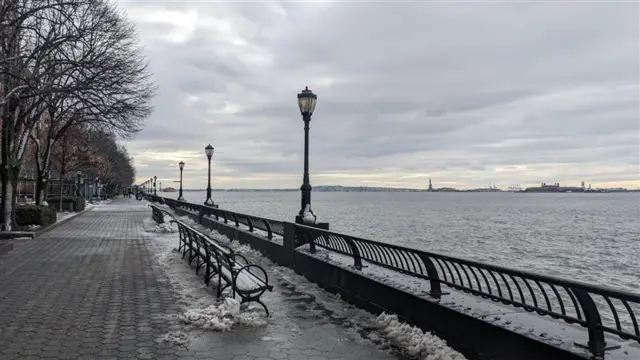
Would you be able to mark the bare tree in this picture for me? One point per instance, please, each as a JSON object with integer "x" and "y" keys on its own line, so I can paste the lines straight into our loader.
{"x": 76, "y": 62}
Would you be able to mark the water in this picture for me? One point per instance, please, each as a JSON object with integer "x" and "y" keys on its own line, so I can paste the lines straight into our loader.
{"x": 588, "y": 237}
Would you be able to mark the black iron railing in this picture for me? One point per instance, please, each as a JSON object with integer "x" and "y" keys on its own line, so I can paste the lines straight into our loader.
{"x": 253, "y": 222}
{"x": 270, "y": 226}
{"x": 601, "y": 310}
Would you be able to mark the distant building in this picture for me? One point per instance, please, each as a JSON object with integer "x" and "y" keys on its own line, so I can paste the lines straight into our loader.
{"x": 430, "y": 186}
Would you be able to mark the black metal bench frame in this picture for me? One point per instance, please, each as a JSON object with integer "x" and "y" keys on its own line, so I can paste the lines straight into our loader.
{"x": 214, "y": 256}
{"x": 158, "y": 214}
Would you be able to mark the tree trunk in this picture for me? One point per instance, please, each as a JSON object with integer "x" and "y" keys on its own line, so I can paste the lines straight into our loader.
{"x": 41, "y": 184}
{"x": 9, "y": 182}
{"x": 61, "y": 185}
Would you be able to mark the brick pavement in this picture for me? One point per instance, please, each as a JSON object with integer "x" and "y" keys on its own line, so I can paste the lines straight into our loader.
{"x": 91, "y": 289}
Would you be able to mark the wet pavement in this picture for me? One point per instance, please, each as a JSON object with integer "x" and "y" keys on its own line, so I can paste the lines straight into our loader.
{"x": 93, "y": 288}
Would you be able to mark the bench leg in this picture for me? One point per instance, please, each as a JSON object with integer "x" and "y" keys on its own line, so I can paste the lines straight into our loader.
{"x": 207, "y": 274}
{"x": 246, "y": 300}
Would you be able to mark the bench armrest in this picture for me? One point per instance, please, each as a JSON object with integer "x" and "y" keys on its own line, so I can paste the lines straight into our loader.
{"x": 255, "y": 270}
{"x": 243, "y": 260}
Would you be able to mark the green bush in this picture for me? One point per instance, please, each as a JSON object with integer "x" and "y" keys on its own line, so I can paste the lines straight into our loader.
{"x": 35, "y": 215}
{"x": 69, "y": 203}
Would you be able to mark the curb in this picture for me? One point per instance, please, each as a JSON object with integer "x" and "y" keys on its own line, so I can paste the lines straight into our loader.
{"x": 53, "y": 226}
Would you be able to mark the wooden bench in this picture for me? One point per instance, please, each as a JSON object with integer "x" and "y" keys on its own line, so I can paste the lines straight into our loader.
{"x": 158, "y": 213}
{"x": 233, "y": 270}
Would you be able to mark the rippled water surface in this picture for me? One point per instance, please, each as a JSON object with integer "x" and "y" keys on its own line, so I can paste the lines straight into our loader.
{"x": 587, "y": 237}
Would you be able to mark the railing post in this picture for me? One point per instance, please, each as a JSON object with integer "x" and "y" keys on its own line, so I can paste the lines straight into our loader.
{"x": 357, "y": 259}
{"x": 249, "y": 223}
{"x": 596, "y": 344}
{"x": 288, "y": 242}
{"x": 269, "y": 231}
{"x": 200, "y": 214}
{"x": 434, "y": 278}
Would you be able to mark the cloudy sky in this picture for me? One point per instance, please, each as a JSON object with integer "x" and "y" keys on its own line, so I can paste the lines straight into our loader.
{"x": 466, "y": 93}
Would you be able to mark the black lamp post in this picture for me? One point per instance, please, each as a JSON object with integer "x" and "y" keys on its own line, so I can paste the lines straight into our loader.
{"x": 155, "y": 179}
{"x": 181, "y": 164}
{"x": 78, "y": 174}
{"x": 95, "y": 192}
{"x": 83, "y": 192}
{"x": 209, "y": 151}
{"x": 307, "y": 103}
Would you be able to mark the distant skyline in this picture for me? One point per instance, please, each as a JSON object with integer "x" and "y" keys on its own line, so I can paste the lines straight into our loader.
{"x": 469, "y": 94}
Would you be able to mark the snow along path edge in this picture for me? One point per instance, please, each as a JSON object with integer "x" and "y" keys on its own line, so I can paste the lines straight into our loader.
{"x": 194, "y": 297}
{"x": 411, "y": 339}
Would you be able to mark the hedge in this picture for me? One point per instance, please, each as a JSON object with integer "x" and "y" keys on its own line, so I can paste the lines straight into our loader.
{"x": 35, "y": 215}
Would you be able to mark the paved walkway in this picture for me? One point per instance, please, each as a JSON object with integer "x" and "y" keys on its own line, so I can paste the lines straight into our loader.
{"x": 92, "y": 289}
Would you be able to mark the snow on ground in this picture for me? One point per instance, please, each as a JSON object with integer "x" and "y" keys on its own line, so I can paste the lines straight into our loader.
{"x": 195, "y": 298}
{"x": 96, "y": 204}
{"x": 60, "y": 216}
{"x": 388, "y": 329}
{"x": 415, "y": 342}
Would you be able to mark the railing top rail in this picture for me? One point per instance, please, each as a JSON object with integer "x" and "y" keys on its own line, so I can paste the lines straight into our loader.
{"x": 270, "y": 221}
{"x": 596, "y": 289}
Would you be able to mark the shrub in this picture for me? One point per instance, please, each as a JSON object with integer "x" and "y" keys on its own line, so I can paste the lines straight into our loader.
{"x": 35, "y": 215}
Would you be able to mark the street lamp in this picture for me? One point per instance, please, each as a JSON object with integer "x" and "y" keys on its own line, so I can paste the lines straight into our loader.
{"x": 155, "y": 179}
{"x": 209, "y": 151}
{"x": 78, "y": 174}
{"x": 95, "y": 191}
{"x": 84, "y": 186}
{"x": 307, "y": 104}
{"x": 181, "y": 164}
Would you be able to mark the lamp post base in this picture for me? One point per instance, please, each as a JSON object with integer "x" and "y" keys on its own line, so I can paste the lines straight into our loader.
{"x": 319, "y": 225}
{"x": 209, "y": 202}
{"x": 180, "y": 198}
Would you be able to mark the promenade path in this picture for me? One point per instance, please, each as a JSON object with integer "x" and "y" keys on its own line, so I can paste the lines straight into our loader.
{"x": 94, "y": 288}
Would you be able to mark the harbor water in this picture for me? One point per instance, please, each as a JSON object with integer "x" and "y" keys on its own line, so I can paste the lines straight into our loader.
{"x": 587, "y": 237}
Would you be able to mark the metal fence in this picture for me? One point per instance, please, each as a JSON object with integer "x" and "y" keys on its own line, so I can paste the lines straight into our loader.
{"x": 599, "y": 309}
{"x": 270, "y": 226}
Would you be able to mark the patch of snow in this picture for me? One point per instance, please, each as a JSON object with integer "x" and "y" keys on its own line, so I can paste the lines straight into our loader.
{"x": 149, "y": 225}
{"x": 307, "y": 215}
{"x": 177, "y": 338}
{"x": 64, "y": 215}
{"x": 33, "y": 227}
{"x": 197, "y": 302}
{"x": 221, "y": 317}
{"x": 414, "y": 341}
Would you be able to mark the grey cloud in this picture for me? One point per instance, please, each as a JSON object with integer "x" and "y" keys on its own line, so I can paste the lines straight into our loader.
{"x": 437, "y": 88}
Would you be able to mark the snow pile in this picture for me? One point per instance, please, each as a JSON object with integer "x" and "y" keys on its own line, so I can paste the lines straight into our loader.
{"x": 179, "y": 338}
{"x": 414, "y": 341}
{"x": 149, "y": 225}
{"x": 196, "y": 298}
{"x": 221, "y": 317}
